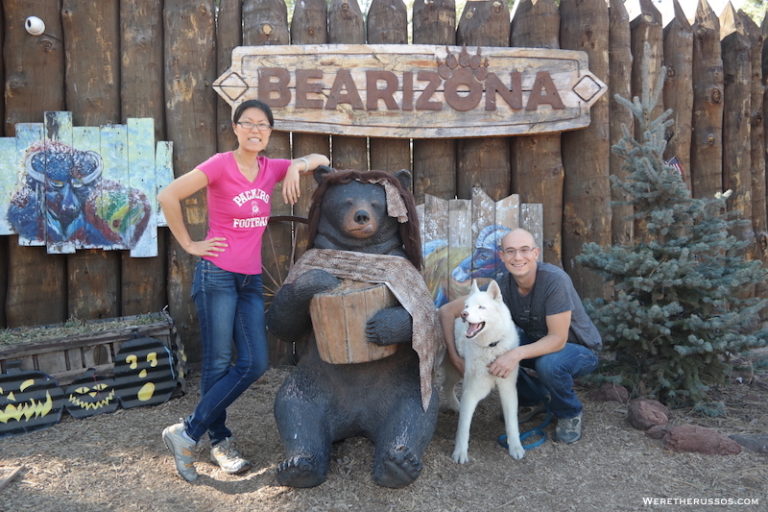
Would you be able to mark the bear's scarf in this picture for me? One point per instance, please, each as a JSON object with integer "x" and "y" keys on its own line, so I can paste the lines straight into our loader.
{"x": 406, "y": 284}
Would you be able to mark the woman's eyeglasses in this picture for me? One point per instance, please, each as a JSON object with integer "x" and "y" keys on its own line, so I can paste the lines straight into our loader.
{"x": 262, "y": 127}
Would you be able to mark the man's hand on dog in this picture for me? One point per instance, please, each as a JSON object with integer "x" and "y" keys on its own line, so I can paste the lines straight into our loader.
{"x": 505, "y": 364}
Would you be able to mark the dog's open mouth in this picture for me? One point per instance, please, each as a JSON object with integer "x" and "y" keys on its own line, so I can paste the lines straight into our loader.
{"x": 474, "y": 329}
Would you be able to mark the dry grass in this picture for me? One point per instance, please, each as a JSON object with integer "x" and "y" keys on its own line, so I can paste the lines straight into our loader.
{"x": 118, "y": 462}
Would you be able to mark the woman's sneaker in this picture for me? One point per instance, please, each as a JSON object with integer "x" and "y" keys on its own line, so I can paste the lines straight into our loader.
{"x": 182, "y": 450}
{"x": 225, "y": 455}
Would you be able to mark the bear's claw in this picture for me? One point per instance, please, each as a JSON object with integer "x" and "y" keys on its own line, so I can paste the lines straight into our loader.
{"x": 299, "y": 471}
{"x": 399, "y": 468}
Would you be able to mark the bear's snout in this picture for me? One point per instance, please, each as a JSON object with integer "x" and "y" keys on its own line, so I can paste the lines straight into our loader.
{"x": 362, "y": 217}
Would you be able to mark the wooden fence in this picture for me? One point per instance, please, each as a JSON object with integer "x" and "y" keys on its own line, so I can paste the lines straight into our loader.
{"x": 109, "y": 60}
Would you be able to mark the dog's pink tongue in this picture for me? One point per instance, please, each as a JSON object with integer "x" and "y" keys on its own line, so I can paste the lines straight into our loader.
{"x": 473, "y": 329}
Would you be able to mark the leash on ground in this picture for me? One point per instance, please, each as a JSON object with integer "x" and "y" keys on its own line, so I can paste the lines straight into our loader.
{"x": 536, "y": 432}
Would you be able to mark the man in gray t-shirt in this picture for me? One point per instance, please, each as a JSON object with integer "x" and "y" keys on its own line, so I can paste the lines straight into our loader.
{"x": 557, "y": 338}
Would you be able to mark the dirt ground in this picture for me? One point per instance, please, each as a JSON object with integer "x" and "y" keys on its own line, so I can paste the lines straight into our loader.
{"x": 118, "y": 462}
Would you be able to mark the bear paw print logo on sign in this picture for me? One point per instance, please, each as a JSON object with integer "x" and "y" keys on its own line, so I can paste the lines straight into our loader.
{"x": 144, "y": 373}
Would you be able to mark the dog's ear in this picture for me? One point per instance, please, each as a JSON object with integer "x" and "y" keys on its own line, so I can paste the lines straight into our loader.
{"x": 474, "y": 288}
{"x": 494, "y": 291}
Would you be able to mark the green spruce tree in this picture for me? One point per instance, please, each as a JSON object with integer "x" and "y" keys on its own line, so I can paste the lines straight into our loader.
{"x": 678, "y": 313}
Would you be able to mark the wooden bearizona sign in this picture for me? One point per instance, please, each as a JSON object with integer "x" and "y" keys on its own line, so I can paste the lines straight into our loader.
{"x": 414, "y": 91}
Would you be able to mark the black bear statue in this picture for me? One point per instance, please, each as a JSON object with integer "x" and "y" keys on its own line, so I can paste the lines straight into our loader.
{"x": 362, "y": 228}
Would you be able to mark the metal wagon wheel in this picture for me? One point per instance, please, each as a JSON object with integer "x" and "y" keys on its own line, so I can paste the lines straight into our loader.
{"x": 279, "y": 251}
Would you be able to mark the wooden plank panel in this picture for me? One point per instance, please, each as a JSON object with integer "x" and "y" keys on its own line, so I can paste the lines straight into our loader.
{"x": 537, "y": 166}
{"x": 163, "y": 174}
{"x": 707, "y": 143}
{"x": 61, "y": 237}
{"x": 586, "y": 207}
{"x": 11, "y": 170}
{"x": 113, "y": 148}
{"x": 190, "y": 66}
{"x": 88, "y": 138}
{"x": 620, "y": 118}
{"x": 346, "y": 25}
{"x": 531, "y": 219}
{"x": 483, "y": 161}
{"x": 435, "y": 251}
{"x": 30, "y": 138}
{"x": 387, "y": 23}
{"x": 434, "y": 160}
{"x": 141, "y": 172}
{"x": 459, "y": 246}
{"x": 484, "y": 255}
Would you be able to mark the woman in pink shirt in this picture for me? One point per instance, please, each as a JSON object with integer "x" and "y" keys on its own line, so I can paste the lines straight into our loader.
{"x": 227, "y": 287}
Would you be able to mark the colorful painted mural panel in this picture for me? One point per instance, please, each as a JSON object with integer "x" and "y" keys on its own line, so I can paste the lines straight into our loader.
{"x": 72, "y": 188}
{"x": 460, "y": 239}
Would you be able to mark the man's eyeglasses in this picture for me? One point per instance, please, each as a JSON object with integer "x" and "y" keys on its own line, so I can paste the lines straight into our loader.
{"x": 523, "y": 251}
{"x": 262, "y": 127}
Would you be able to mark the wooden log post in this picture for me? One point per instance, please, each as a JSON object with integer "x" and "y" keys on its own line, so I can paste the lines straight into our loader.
{"x": 34, "y": 83}
{"x": 737, "y": 92}
{"x": 620, "y": 76}
{"x": 756, "y": 135}
{"x": 647, "y": 48}
{"x": 229, "y": 34}
{"x": 537, "y": 165}
{"x": 434, "y": 161}
{"x": 92, "y": 69}
{"x": 309, "y": 25}
{"x": 190, "y": 68}
{"x": 266, "y": 23}
{"x": 484, "y": 162}
{"x": 388, "y": 24}
{"x": 707, "y": 143}
{"x": 678, "y": 59}
{"x": 143, "y": 286}
{"x": 586, "y": 207}
{"x": 346, "y": 25}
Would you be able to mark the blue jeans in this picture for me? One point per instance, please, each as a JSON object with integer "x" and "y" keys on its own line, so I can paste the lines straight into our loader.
{"x": 555, "y": 374}
{"x": 230, "y": 308}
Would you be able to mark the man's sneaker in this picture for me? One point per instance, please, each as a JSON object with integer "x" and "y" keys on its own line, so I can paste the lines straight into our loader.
{"x": 226, "y": 456}
{"x": 528, "y": 412}
{"x": 182, "y": 450}
{"x": 568, "y": 430}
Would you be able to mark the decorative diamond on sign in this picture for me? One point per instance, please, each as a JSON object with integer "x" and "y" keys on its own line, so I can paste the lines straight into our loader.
{"x": 586, "y": 88}
{"x": 233, "y": 86}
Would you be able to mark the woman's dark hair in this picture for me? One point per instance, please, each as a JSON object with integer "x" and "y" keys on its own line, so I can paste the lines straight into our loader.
{"x": 254, "y": 104}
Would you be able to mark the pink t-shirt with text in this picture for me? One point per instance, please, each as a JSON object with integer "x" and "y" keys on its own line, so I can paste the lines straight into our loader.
{"x": 238, "y": 209}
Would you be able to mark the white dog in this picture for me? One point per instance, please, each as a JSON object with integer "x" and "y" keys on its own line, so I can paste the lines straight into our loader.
{"x": 484, "y": 332}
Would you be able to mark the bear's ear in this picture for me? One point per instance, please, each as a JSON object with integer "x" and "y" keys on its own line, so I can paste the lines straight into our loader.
{"x": 321, "y": 171}
{"x": 405, "y": 179}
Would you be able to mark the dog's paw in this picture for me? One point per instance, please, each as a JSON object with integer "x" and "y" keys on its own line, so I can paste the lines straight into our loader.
{"x": 517, "y": 452}
{"x": 460, "y": 456}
